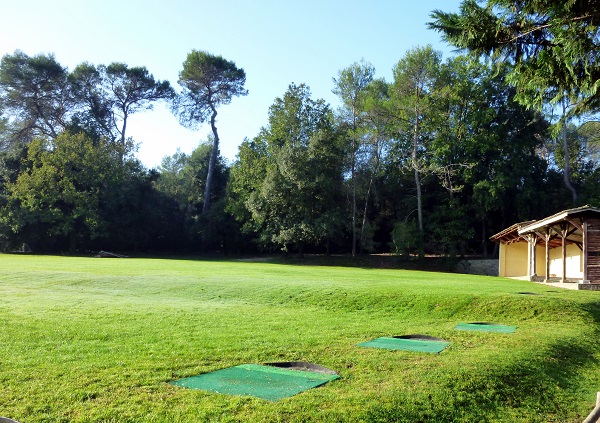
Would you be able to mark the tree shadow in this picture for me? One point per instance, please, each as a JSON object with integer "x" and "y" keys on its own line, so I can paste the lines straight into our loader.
{"x": 541, "y": 385}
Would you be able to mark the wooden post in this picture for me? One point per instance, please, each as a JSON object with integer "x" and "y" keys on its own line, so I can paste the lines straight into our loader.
{"x": 534, "y": 255}
{"x": 564, "y": 255}
{"x": 529, "y": 257}
{"x": 527, "y": 237}
{"x": 585, "y": 251}
{"x": 547, "y": 237}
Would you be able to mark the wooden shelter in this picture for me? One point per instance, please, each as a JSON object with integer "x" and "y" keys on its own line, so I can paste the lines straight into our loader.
{"x": 564, "y": 247}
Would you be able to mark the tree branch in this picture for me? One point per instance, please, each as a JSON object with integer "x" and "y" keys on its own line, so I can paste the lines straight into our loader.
{"x": 548, "y": 25}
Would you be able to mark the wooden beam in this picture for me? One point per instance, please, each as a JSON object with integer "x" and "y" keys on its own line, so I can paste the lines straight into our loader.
{"x": 546, "y": 237}
{"x": 577, "y": 224}
{"x": 571, "y": 232}
{"x": 558, "y": 231}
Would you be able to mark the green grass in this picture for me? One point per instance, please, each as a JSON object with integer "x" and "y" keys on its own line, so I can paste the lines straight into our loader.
{"x": 98, "y": 340}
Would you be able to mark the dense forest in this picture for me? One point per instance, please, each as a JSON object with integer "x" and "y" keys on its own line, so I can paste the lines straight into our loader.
{"x": 434, "y": 161}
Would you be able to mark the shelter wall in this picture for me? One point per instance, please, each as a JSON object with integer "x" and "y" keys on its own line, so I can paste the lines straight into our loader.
{"x": 540, "y": 260}
{"x": 513, "y": 259}
{"x": 593, "y": 244}
{"x": 574, "y": 262}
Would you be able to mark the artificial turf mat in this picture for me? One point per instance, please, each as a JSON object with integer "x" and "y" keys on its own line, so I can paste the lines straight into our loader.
{"x": 486, "y": 327}
{"x": 418, "y": 345}
{"x": 267, "y": 382}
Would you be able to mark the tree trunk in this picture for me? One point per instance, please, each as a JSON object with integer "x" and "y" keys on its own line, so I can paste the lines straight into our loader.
{"x": 123, "y": 128}
{"x": 484, "y": 238}
{"x": 364, "y": 219}
{"x": 416, "y": 169}
{"x": 419, "y": 200}
{"x": 353, "y": 204}
{"x": 353, "y": 175}
{"x": 211, "y": 163}
{"x": 567, "y": 168}
{"x": 368, "y": 195}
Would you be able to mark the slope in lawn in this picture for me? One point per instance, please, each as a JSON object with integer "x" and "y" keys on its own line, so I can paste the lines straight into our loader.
{"x": 100, "y": 339}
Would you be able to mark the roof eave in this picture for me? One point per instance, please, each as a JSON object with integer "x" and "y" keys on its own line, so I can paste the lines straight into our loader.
{"x": 556, "y": 218}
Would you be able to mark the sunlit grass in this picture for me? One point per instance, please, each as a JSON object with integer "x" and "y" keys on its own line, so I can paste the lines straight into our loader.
{"x": 98, "y": 340}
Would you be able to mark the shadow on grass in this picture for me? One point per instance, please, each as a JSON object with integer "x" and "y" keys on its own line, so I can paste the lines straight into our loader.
{"x": 592, "y": 308}
{"x": 541, "y": 385}
{"x": 365, "y": 261}
{"x": 374, "y": 261}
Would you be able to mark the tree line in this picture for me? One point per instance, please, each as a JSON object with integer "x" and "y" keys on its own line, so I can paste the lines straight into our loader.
{"x": 436, "y": 160}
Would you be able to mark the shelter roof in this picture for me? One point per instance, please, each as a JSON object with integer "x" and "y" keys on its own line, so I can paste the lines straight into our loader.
{"x": 562, "y": 216}
{"x": 510, "y": 234}
{"x": 518, "y": 231}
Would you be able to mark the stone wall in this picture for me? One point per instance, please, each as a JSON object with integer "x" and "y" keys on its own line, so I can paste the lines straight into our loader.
{"x": 589, "y": 286}
{"x": 487, "y": 267}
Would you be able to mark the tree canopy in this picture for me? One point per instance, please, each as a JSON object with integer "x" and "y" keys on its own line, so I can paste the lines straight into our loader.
{"x": 42, "y": 98}
{"x": 62, "y": 189}
{"x": 208, "y": 82}
{"x": 111, "y": 94}
{"x": 351, "y": 86}
{"x": 552, "y": 46}
{"x": 287, "y": 180}
{"x": 433, "y": 161}
{"x": 35, "y": 92}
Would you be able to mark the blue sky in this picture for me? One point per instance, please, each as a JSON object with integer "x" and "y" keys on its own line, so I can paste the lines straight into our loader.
{"x": 275, "y": 42}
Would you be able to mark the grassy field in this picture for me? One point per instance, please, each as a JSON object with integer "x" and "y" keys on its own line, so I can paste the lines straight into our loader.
{"x": 98, "y": 340}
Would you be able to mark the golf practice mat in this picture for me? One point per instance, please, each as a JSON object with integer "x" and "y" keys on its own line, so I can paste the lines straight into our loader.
{"x": 270, "y": 382}
{"x": 417, "y": 343}
{"x": 486, "y": 327}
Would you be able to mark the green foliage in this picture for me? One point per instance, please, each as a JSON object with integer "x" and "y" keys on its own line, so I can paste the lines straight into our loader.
{"x": 488, "y": 144}
{"x": 246, "y": 177}
{"x": 287, "y": 180}
{"x": 182, "y": 178}
{"x": 444, "y": 138}
{"x": 44, "y": 99}
{"x": 208, "y": 81}
{"x": 75, "y": 194}
{"x": 413, "y": 95}
{"x": 551, "y": 46}
{"x": 35, "y": 92}
{"x": 451, "y": 228}
{"x": 60, "y": 191}
{"x": 582, "y": 143}
{"x": 406, "y": 238}
{"x": 108, "y": 95}
{"x": 352, "y": 87}
{"x": 174, "y": 179}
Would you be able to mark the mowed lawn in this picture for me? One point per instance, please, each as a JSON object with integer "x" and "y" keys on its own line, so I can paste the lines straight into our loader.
{"x": 99, "y": 340}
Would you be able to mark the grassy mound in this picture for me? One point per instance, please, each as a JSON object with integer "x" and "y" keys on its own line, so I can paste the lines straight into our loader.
{"x": 99, "y": 340}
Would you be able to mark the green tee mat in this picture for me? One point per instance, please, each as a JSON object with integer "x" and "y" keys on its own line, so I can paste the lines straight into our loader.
{"x": 486, "y": 327}
{"x": 266, "y": 382}
{"x": 407, "y": 344}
